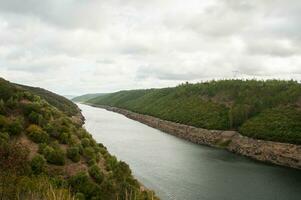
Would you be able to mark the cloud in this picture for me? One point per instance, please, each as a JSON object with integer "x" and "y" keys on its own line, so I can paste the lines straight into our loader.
{"x": 78, "y": 46}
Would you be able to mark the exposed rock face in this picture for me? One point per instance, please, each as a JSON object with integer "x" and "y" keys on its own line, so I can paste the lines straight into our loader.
{"x": 267, "y": 151}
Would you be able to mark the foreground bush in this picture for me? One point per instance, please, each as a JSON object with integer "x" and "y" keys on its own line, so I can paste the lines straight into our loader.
{"x": 38, "y": 164}
{"x": 36, "y": 134}
{"x": 96, "y": 174}
{"x": 73, "y": 154}
{"x": 54, "y": 156}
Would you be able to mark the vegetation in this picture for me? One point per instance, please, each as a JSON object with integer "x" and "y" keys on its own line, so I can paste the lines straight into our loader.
{"x": 53, "y": 99}
{"x": 87, "y": 97}
{"x": 45, "y": 154}
{"x": 268, "y": 110}
{"x": 73, "y": 154}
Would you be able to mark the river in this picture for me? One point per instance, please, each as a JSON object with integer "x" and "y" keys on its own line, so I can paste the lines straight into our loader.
{"x": 180, "y": 170}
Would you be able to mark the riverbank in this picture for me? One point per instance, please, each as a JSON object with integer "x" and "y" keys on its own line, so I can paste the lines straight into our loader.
{"x": 266, "y": 151}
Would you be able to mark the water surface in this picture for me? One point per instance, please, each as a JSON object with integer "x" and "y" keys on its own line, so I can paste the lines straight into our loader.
{"x": 180, "y": 170}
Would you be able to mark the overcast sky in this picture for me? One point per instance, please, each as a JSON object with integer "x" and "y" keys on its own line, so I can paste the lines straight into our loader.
{"x": 84, "y": 46}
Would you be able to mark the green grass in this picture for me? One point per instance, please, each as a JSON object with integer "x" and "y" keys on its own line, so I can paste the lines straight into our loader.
{"x": 224, "y": 105}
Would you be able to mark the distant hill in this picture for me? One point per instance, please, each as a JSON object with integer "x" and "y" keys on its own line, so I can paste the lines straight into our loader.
{"x": 47, "y": 154}
{"x": 86, "y": 97}
{"x": 268, "y": 110}
{"x": 69, "y": 96}
{"x": 62, "y": 103}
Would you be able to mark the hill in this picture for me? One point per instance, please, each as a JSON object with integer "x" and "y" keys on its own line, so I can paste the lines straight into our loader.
{"x": 58, "y": 101}
{"x": 268, "y": 110}
{"x": 46, "y": 154}
{"x": 87, "y": 97}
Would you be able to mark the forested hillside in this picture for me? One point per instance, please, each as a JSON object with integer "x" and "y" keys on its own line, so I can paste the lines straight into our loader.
{"x": 87, "y": 97}
{"x": 45, "y": 154}
{"x": 55, "y": 100}
{"x": 269, "y": 110}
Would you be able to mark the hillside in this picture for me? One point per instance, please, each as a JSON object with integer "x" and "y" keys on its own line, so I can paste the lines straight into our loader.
{"x": 87, "y": 97}
{"x": 46, "y": 154}
{"x": 268, "y": 110}
{"x": 60, "y": 102}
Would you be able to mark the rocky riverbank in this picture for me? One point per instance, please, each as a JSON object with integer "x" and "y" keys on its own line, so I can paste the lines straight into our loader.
{"x": 267, "y": 151}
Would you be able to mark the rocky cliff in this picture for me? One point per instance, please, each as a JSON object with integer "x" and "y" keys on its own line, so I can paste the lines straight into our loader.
{"x": 267, "y": 151}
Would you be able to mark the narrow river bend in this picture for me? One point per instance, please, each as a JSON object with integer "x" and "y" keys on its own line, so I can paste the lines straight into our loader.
{"x": 180, "y": 170}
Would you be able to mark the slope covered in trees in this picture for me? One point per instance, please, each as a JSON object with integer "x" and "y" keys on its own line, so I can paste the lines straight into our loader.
{"x": 55, "y": 100}
{"x": 45, "y": 154}
{"x": 269, "y": 110}
{"x": 87, "y": 97}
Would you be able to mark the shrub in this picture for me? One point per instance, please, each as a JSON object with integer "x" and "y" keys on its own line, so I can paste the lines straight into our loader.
{"x": 89, "y": 153}
{"x": 54, "y": 156}
{"x": 2, "y": 107}
{"x": 4, "y": 137}
{"x": 96, "y": 174}
{"x": 36, "y": 134}
{"x": 81, "y": 183}
{"x": 73, "y": 154}
{"x": 15, "y": 127}
{"x": 85, "y": 142}
{"x": 4, "y": 122}
{"x": 42, "y": 147}
{"x": 79, "y": 196}
{"x": 36, "y": 118}
{"x": 11, "y": 103}
{"x": 38, "y": 164}
{"x": 13, "y": 159}
{"x": 64, "y": 137}
{"x": 92, "y": 162}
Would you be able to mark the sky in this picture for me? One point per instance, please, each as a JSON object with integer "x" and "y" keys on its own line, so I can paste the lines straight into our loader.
{"x": 86, "y": 46}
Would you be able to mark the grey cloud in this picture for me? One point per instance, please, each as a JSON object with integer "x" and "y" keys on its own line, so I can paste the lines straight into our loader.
{"x": 99, "y": 46}
{"x": 272, "y": 47}
{"x": 64, "y": 14}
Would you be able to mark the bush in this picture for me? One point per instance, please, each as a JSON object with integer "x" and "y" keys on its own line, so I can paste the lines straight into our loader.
{"x": 64, "y": 138}
{"x": 2, "y": 107}
{"x": 73, "y": 154}
{"x": 36, "y": 134}
{"x": 15, "y": 127}
{"x": 89, "y": 153}
{"x": 54, "y": 156}
{"x": 4, "y": 122}
{"x": 31, "y": 107}
{"x": 4, "y": 137}
{"x": 85, "y": 142}
{"x": 79, "y": 196}
{"x": 42, "y": 147}
{"x": 96, "y": 174}
{"x": 14, "y": 159}
{"x": 81, "y": 183}
{"x": 38, "y": 164}
{"x": 36, "y": 118}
